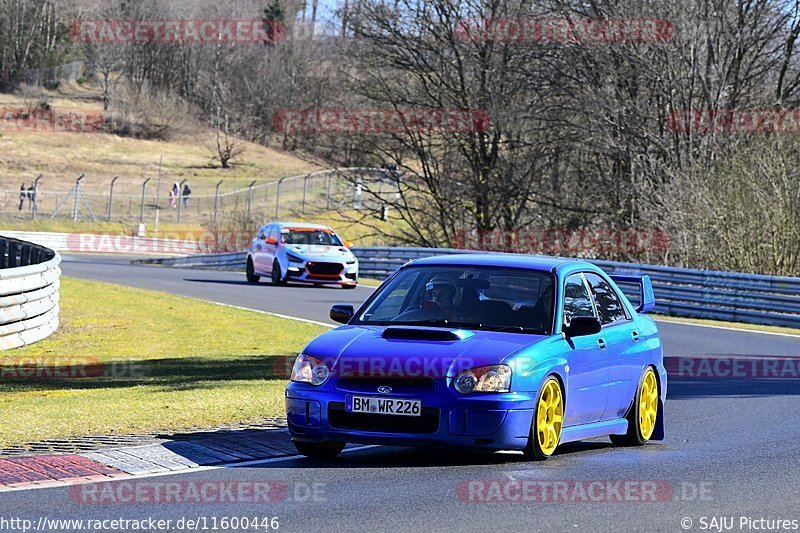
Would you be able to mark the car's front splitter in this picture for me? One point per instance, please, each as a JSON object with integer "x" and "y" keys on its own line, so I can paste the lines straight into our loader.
{"x": 491, "y": 422}
{"x": 302, "y": 276}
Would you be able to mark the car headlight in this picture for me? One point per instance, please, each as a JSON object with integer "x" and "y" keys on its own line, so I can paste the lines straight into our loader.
{"x": 293, "y": 258}
{"x": 492, "y": 378}
{"x": 351, "y": 261}
{"x": 309, "y": 369}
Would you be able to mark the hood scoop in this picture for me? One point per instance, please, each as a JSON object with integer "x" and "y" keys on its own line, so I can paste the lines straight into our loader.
{"x": 423, "y": 334}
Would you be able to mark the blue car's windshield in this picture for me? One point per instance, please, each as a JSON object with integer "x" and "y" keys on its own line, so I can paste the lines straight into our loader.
{"x": 497, "y": 299}
{"x": 317, "y": 237}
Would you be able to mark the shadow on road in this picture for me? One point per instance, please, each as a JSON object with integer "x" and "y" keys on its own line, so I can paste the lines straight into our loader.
{"x": 260, "y": 284}
{"x": 391, "y": 456}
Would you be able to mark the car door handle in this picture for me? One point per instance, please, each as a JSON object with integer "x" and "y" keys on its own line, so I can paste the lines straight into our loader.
{"x": 635, "y": 336}
{"x": 601, "y": 344}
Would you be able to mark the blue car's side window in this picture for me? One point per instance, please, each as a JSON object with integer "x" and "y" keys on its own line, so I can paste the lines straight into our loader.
{"x": 394, "y": 300}
{"x": 609, "y": 305}
{"x": 577, "y": 300}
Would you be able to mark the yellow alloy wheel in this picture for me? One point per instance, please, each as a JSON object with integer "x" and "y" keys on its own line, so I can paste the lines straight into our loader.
{"x": 648, "y": 404}
{"x": 549, "y": 417}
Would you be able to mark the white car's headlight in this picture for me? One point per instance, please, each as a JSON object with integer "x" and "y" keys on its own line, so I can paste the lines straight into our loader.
{"x": 492, "y": 378}
{"x": 309, "y": 369}
{"x": 351, "y": 261}
{"x": 294, "y": 259}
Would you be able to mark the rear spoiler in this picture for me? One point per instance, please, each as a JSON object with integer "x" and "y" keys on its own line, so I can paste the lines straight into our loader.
{"x": 647, "y": 298}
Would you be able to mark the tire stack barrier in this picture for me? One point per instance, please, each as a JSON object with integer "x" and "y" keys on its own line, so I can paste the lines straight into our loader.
{"x": 29, "y": 282}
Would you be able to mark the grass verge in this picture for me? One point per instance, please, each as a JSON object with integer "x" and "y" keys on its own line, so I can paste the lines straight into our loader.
{"x": 155, "y": 362}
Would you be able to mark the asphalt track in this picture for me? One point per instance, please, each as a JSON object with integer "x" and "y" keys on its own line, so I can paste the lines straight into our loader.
{"x": 731, "y": 451}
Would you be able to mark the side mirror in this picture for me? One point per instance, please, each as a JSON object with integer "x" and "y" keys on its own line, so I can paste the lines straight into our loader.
{"x": 348, "y": 244}
{"x": 580, "y": 326}
{"x": 342, "y": 313}
{"x": 272, "y": 240}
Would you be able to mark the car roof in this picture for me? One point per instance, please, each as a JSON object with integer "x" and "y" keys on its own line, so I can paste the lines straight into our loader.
{"x": 562, "y": 265}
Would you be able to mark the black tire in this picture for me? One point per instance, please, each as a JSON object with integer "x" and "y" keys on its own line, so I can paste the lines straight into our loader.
{"x": 250, "y": 272}
{"x": 351, "y": 287}
{"x": 634, "y": 435}
{"x": 319, "y": 450}
{"x": 276, "y": 277}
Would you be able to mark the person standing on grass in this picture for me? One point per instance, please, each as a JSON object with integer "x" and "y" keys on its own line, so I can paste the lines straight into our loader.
{"x": 173, "y": 195}
{"x": 32, "y": 196}
{"x": 22, "y": 196}
{"x": 186, "y": 193}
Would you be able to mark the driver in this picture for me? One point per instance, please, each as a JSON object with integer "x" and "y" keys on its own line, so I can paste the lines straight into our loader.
{"x": 438, "y": 295}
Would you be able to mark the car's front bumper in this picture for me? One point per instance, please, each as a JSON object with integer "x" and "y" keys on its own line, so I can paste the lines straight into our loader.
{"x": 300, "y": 272}
{"x": 488, "y": 421}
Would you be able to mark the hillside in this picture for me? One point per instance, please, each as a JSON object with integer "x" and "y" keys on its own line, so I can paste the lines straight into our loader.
{"x": 60, "y": 157}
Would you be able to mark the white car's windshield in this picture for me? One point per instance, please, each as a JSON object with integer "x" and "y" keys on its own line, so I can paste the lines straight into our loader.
{"x": 491, "y": 298}
{"x": 312, "y": 237}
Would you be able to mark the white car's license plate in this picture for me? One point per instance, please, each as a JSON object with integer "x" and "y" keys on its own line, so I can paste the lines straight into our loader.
{"x": 383, "y": 406}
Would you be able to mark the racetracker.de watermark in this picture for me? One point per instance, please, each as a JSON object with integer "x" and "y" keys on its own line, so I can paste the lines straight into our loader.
{"x": 257, "y": 31}
{"x": 380, "y": 121}
{"x": 50, "y": 121}
{"x": 733, "y": 367}
{"x": 580, "y": 491}
{"x": 36, "y": 369}
{"x": 209, "y": 491}
{"x": 563, "y": 30}
{"x": 564, "y": 241}
{"x": 178, "y": 243}
{"x": 707, "y": 121}
{"x": 377, "y": 368}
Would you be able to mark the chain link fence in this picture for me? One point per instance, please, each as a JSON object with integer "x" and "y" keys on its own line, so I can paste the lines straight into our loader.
{"x": 300, "y": 195}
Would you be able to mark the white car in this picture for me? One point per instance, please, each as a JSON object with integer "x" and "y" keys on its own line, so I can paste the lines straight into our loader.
{"x": 296, "y": 251}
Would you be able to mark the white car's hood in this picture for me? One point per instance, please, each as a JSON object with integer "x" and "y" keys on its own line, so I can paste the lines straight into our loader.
{"x": 316, "y": 252}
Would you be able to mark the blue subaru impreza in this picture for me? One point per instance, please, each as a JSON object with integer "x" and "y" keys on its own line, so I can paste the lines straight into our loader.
{"x": 493, "y": 352}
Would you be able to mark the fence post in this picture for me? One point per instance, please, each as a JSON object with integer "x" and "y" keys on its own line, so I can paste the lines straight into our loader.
{"x": 141, "y": 209}
{"x": 216, "y": 201}
{"x": 34, "y": 207}
{"x": 111, "y": 198}
{"x": 75, "y": 201}
{"x": 330, "y": 183}
{"x": 250, "y": 197}
{"x": 278, "y": 198}
{"x": 180, "y": 199}
{"x": 158, "y": 183}
{"x": 305, "y": 192}
{"x": 357, "y": 192}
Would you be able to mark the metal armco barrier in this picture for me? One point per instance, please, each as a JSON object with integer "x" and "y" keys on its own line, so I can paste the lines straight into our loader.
{"x": 709, "y": 294}
{"x": 226, "y": 261}
{"x": 29, "y": 281}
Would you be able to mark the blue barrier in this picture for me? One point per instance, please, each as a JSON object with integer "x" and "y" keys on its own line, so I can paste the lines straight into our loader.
{"x": 710, "y": 294}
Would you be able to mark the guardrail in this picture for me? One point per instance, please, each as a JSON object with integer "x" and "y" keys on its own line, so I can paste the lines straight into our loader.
{"x": 226, "y": 261}
{"x": 708, "y": 294}
{"x": 29, "y": 282}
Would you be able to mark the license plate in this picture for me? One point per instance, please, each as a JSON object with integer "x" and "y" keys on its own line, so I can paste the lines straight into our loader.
{"x": 383, "y": 406}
